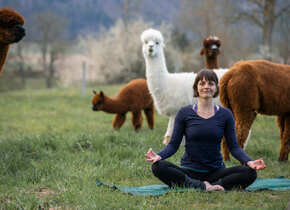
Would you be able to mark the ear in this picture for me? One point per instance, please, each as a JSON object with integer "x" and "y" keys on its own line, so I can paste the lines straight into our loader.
{"x": 94, "y": 92}
{"x": 202, "y": 51}
{"x": 102, "y": 94}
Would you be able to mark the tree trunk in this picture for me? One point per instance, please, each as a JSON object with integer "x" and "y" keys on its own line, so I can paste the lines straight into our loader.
{"x": 21, "y": 65}
{"x": 269, "y": 20}
{"x": 51, "y": 71}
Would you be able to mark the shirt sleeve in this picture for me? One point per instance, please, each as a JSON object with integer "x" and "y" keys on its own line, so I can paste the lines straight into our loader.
{"x": 176, "y": 138}
{"x": 231, "y": 139}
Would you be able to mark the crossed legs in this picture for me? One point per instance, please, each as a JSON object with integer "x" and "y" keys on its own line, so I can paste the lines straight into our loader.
{"x": 238, "y": 177}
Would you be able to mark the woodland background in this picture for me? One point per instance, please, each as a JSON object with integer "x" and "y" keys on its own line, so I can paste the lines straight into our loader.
{"x": 64, "y": 37}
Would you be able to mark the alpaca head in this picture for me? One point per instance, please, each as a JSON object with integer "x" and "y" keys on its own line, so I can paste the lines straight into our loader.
{"x": 98, "y": 101}
{"x": 211, "y": 47}
{"x": 11, "y": 29}
{"x": 152, "y": 43}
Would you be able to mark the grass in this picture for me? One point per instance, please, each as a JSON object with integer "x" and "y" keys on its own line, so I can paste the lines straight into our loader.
{"x": 53, "y": 148}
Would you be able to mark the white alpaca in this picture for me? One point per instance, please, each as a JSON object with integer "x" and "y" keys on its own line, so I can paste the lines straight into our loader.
{"x": 170, "y": 91}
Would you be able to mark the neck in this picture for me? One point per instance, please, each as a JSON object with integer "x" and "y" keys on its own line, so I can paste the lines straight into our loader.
{"x": 205, "y": 104}
{"x": 3, "y": 55}
{"x": 211, "y": 63}
{"x": 156, "y": 62}
{"x": 113, "y": 105}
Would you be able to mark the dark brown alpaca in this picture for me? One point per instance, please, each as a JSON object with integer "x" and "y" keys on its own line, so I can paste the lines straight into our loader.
{"x": 211, "y": 50}
{"x": 11, "y": 31}
{"x": 258, "y": 86}
{"x": 133, "y": 97}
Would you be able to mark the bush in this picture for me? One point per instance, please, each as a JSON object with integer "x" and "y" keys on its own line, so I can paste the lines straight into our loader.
{"x": 117, "y": 51}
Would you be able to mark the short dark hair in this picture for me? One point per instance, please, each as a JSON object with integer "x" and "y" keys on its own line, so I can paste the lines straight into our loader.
{"x": 208, "y": 75}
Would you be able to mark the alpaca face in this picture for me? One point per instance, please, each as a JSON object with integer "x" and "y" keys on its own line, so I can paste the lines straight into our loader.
{"x": 152, "y": 41}
{"x": 98, "y": 101}
{"x": 211, "y": 47}
{"x": 11, "y": 29}
{"x": 11, "y": 35}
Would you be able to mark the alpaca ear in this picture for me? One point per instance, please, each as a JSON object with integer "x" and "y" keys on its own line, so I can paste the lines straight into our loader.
{"x": 94, "y": 92}
{"x": 101, "y": 94}
{"x": 202, "y": 52}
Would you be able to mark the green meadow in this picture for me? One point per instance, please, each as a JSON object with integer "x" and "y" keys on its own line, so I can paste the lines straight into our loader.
{"x": 53, "y": 147}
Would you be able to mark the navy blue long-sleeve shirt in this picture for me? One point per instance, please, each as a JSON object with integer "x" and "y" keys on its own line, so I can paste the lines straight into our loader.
{"x": 203, "y": 139}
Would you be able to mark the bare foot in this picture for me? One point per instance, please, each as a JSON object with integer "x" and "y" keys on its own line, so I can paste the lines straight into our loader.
{"x": 166, "y": 140}
{"x": 209, "y": 187}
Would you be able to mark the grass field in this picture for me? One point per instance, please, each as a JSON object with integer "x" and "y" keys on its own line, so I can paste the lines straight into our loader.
{"x": 53, "y": 147}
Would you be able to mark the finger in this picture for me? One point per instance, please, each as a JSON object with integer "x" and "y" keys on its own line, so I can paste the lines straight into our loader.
{"x": 148, "y": 156}
{"x": 150, "y": 149}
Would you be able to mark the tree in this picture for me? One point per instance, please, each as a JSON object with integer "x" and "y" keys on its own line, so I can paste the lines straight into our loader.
{"x": 283, "y": 38}
{"x": 199, "y": 17}
{"x": 21, "y": 62}
{"x": 51, "y": 29}
{"x": 264, "y": 14}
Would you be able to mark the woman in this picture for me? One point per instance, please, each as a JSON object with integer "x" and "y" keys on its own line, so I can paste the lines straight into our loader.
{"x": 203, "y": 125}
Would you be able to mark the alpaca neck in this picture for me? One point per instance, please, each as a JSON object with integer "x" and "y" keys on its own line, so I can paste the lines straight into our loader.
{"x": 155, "y": 62}
{"x": 113, "y": 105}
{"x": 3, "y": 54}
{"x": 211, "y": 63}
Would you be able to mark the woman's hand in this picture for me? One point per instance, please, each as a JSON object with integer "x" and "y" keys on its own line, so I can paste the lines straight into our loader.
{"x": 152, "y": 156}
{"x": 257, "y": 164}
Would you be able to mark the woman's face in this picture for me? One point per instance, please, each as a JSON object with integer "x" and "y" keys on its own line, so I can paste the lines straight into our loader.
{"x": 206, "y": 89}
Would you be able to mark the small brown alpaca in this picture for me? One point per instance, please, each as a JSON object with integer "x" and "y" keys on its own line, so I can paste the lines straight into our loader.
{"x": 11, "y": 31}
{"x": 258, "y": 86}
{"x": 211, "y": 50}
{"x": 133, "y": 97}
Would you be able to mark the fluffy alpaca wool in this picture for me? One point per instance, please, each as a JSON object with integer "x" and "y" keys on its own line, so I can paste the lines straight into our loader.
{"x": 170, "y": 91}
{"x": 133, "y": 97}
{"x": 11, "y": 31}
{"x": 258, "y": 86}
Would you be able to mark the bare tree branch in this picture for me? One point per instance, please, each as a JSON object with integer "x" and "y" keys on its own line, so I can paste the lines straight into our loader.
{"x": 257, "y": 2}
{"x": 250, "y": 17}
{"x": 282, "y": 11}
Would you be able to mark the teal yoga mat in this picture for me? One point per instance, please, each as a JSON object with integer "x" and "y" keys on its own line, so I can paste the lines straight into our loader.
{"x": 154, "y": 190}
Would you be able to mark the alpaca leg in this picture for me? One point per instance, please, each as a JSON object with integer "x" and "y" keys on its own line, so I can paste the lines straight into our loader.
{"x": 169, "y": 130}
{"x": 119, "y": 121}
{"x": 284, "y": 125}
{"x": 137, "y": 120}
{"x": 244, "y": 121}
{"x": 149, "y": 113}
{"x": 225, "y": 149}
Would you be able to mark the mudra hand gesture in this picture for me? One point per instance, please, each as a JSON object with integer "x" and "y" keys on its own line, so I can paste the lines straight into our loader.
{"x": 152, "y": 156}
{"x": 257, "y": 164}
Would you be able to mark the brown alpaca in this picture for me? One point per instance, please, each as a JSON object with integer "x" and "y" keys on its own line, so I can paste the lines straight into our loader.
{"x": 133, "y": 97}
{"x": 211, "y": 50}
{"x": 11, "y": 31}
{"x": 258, "y": 86}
